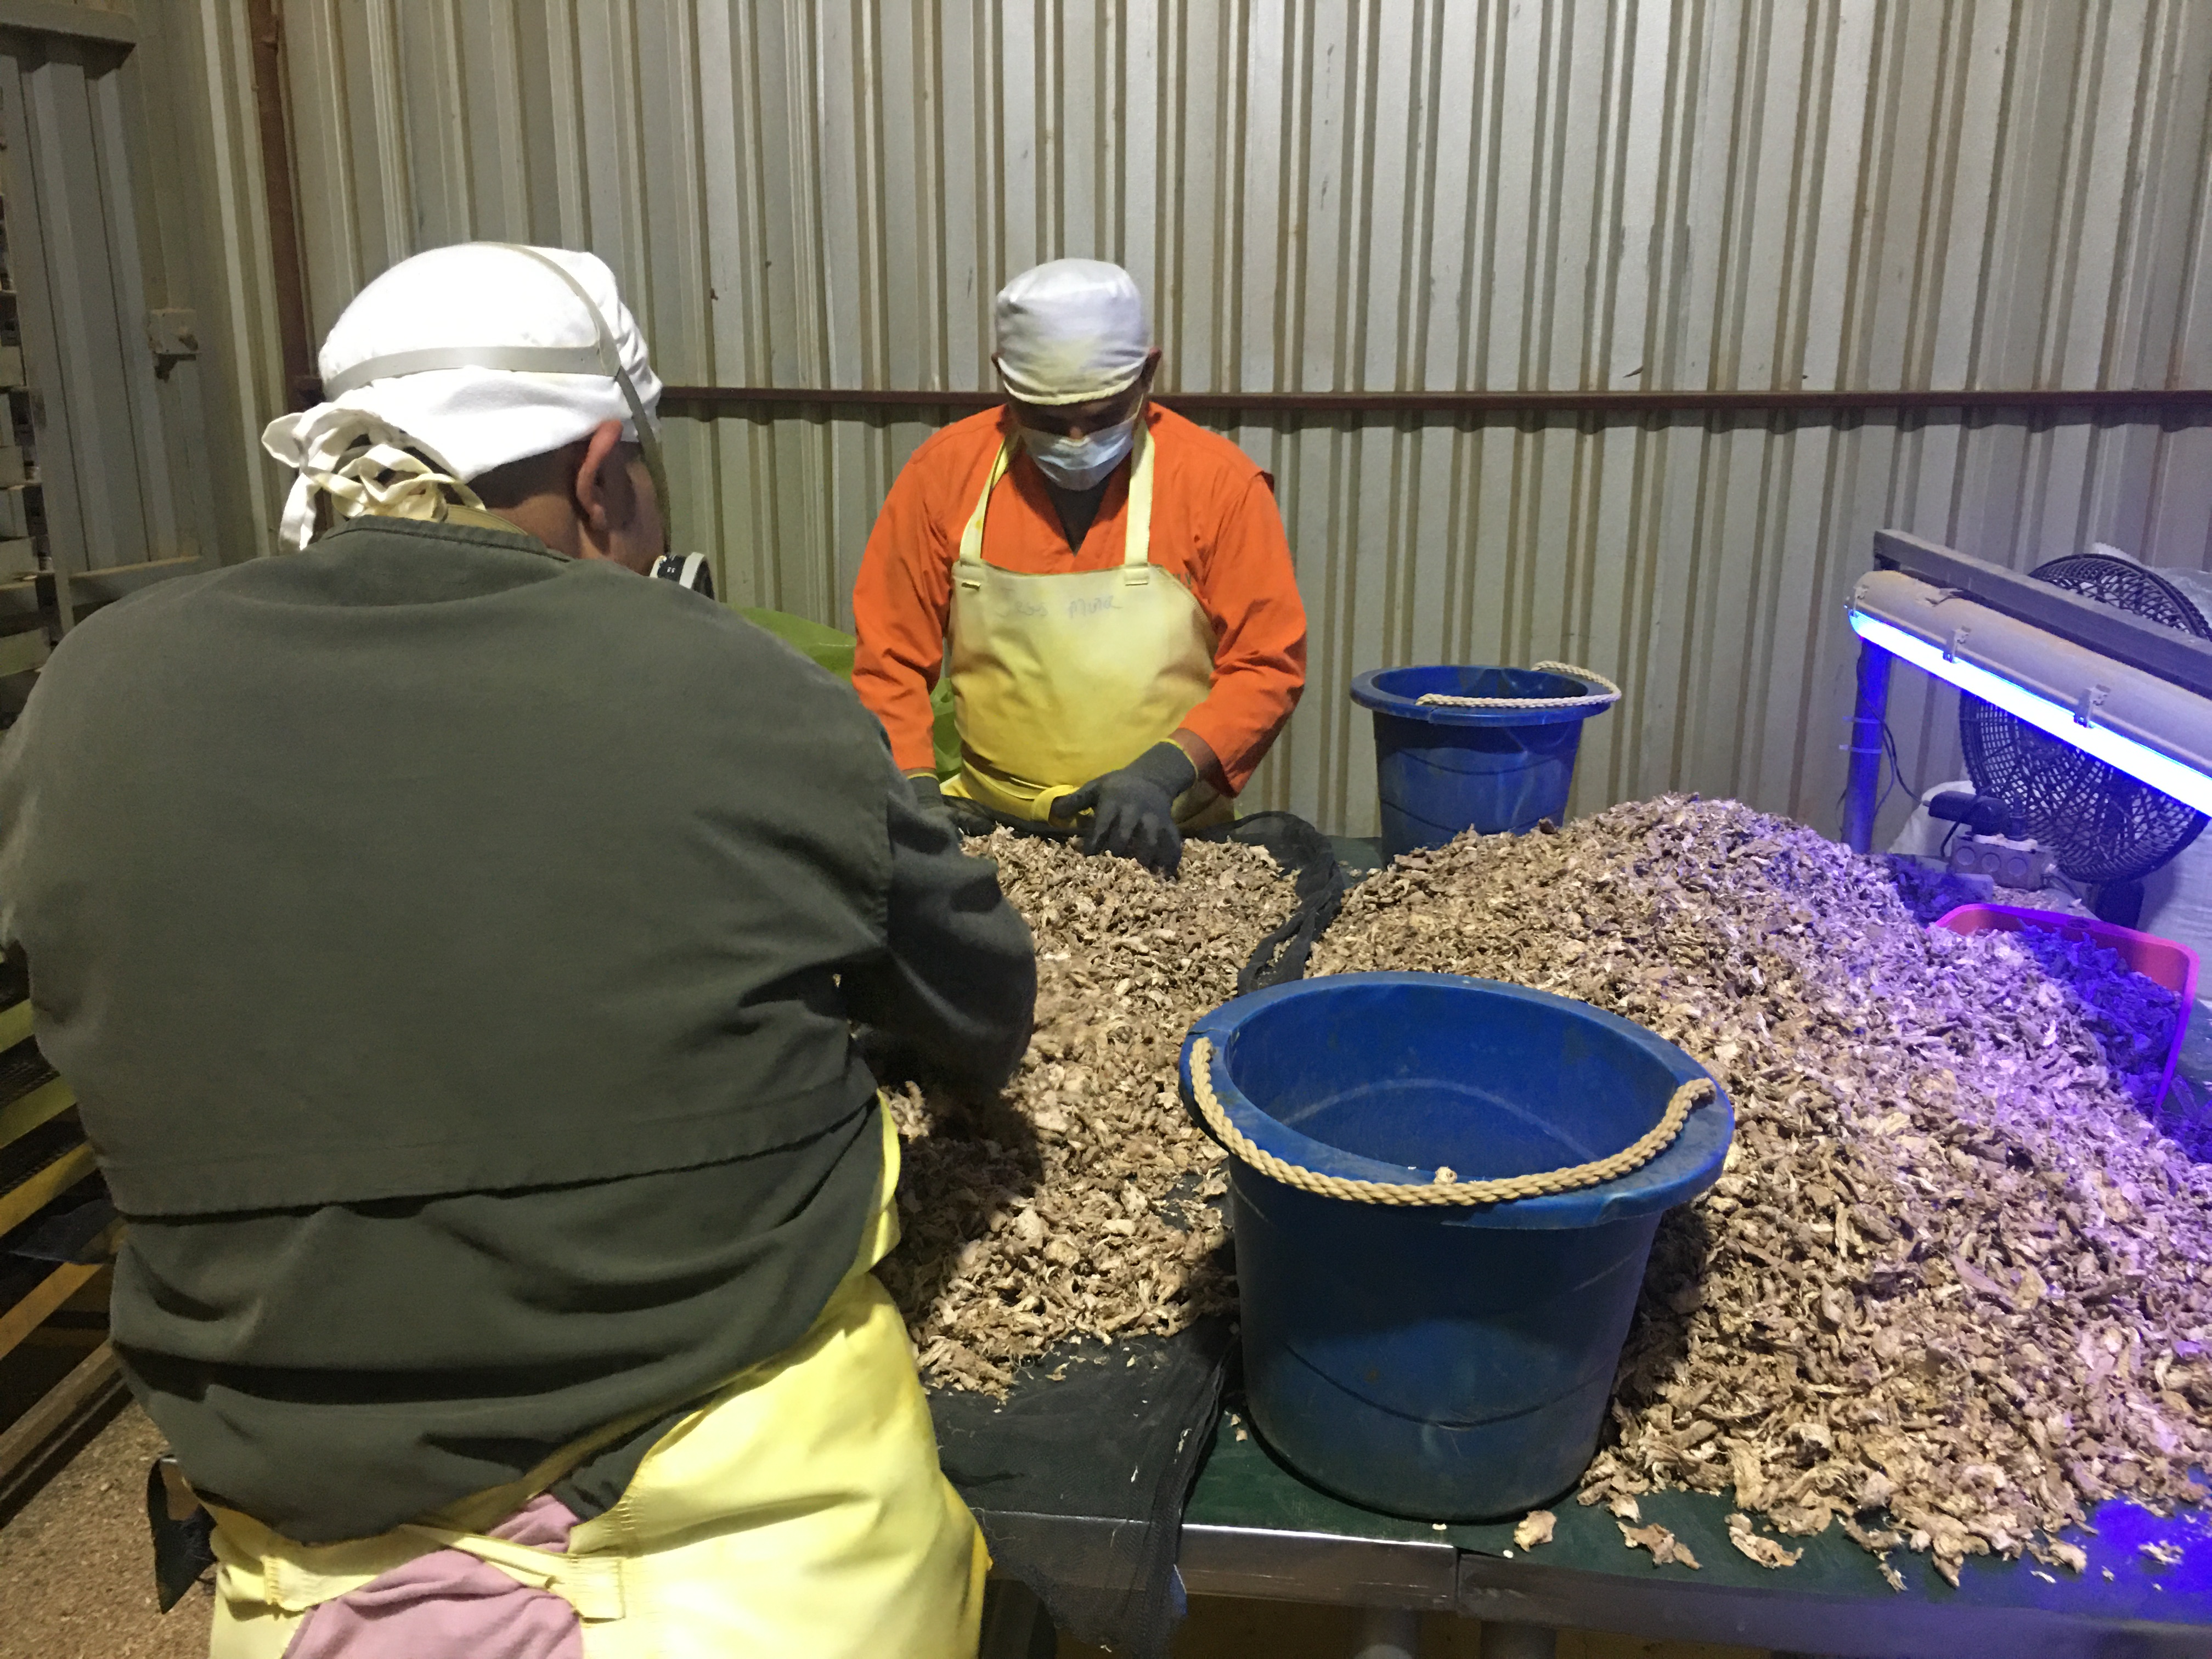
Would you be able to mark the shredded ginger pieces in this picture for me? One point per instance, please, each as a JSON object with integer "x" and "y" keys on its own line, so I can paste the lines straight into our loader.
{"x": 1665, "y": 1547}
{"x": 1765, "y": 1551}
{"x": 1536, "y": 1529}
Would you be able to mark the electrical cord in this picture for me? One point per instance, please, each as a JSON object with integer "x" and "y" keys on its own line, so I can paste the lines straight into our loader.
{"x": 1896, "y": 767}
{"x": 1895, "y": 778}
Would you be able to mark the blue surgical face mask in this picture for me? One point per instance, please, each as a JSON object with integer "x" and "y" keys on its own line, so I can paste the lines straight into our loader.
{"x": 1080, "y": 463}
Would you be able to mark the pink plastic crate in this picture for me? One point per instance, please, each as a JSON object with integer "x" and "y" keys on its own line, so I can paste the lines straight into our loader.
{"x": 2162, "y": 960}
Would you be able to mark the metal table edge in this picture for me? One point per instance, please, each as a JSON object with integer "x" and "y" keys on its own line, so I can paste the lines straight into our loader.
{"x": 1259, "y": 1563}
{"x": 1268, "y": 1563}
{"x": 1666, "y": 1608}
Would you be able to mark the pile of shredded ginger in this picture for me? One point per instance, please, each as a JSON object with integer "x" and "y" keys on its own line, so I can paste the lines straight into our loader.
{"x": 1076, "y": 1204}
{"x": 1952, "y": 1289}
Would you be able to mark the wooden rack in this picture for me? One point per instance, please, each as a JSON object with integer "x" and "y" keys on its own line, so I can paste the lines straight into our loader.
{"x": 42, "y": 1154}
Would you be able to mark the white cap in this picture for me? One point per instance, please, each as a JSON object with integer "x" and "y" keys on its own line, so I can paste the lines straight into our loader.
{"x": 475, "y": 355}
{"x": 1071, "y": 332}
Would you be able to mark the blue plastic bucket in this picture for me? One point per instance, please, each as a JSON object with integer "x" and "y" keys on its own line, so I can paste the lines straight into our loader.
{"x": 1440, "y": 770}
{"x": 1454, "y": 1363}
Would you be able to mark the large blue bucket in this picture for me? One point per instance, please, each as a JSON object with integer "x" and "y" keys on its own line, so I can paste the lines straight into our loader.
{"x": 1452, "y": 1363}
{"x": 1440, "y": 770}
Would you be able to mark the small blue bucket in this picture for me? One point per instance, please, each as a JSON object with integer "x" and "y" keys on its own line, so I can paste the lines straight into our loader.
{"x": 1440, "y": 770}
{"x": 1450, "y": 1362}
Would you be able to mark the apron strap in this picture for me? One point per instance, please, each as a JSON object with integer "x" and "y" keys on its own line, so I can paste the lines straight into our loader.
{"x": 1137, "y": 524}
{"x": 1137, "y": 533}
{"x": 971, "y": 538}
{"x": 592, "y": 1585}
{"x": 298, "y": 1582}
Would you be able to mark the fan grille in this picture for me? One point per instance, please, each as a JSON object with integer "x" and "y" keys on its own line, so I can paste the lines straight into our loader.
{"x": 2101, "y": 824}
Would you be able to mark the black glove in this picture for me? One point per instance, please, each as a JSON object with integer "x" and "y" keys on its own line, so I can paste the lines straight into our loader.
{"x": 968, "y": 818}
{"x": 1133, "y": 811}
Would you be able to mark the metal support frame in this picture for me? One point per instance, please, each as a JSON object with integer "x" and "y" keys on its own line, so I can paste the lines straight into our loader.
{"x": 264, "y": 21}
{"x": 1862, "y": 784}
{"x": 1452, "y": 404}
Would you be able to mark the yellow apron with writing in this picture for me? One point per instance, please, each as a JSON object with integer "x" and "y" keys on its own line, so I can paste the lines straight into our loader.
{"x": 800, "y": 1510}
{"x": 1059, "y": 678}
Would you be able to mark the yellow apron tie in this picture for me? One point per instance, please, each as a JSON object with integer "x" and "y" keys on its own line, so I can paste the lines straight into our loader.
{"x": 800, "y": 1510}
{"x": 260, "y": 1570}
{"x": 1057, "y": 678}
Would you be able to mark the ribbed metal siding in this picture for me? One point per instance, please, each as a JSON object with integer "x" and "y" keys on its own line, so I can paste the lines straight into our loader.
{"x": 1424, "y": 193}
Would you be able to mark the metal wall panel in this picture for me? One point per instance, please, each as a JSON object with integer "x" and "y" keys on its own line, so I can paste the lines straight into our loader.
{"x": 118, "y": 452}
{"x": 1394, "y": 195}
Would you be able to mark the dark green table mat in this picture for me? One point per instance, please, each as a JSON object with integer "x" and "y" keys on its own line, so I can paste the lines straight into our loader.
{"x": 1245, "y": 1484}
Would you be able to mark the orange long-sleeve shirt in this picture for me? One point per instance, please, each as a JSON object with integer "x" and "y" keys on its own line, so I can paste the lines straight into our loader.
{"x": 1215, "y": 527}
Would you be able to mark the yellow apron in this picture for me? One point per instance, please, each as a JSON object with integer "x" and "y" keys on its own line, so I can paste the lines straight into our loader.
{"x": 1059, "y": 678}
{"x": 800, "y": 1510}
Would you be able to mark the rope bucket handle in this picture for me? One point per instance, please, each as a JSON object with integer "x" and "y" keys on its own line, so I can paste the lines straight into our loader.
{"x": 1445, "y": 1188}
{"x": 1604, "y": 699}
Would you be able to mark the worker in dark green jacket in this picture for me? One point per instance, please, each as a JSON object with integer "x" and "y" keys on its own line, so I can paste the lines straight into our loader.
{"x": 454, "y": 940}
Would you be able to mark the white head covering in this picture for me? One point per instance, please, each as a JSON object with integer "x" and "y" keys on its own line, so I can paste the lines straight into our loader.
{"x": 1071, "y": 332}
{"x": 473, "y": 355}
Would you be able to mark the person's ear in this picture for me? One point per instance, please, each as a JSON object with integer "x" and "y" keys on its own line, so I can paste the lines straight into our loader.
{"x": 602, "y": 487}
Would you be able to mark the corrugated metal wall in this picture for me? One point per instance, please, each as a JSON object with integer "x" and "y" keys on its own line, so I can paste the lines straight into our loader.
{"x": 1321, "y": 195}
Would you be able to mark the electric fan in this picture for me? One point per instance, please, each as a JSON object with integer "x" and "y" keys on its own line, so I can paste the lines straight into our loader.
{"x": 2100, "y": 827}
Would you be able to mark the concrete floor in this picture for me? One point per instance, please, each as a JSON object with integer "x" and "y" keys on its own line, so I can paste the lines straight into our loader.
{"x": 76, "y": 1575}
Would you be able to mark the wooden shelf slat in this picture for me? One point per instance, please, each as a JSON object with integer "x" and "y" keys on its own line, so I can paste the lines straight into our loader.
{"x": 56, "y": 1288}
{"x": 42, "y": 1105}
{"x": 77, "y": 1399}
{"x": 15, "y": 1023}
{"x": 20, "y": 1204}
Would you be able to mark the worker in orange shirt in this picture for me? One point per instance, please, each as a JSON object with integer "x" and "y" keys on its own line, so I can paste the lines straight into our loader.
{"x": 1112, "y": 582}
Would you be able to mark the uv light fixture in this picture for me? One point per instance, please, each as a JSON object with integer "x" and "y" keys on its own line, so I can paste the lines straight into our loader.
{"x": 2135, "y": 696}
{"x": 2184, "y": 783}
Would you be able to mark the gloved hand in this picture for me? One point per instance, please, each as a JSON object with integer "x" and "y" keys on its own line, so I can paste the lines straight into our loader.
{"x": 1133, "y": 811}
{"x": 968, "y": 818}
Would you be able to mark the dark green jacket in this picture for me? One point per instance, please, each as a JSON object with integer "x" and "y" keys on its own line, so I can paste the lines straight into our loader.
{"x": 454, "y": 948}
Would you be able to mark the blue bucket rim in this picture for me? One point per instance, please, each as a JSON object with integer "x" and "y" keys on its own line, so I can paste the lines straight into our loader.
{"x": 1368, "y": 695}
{"x": 1689, "y": 1165}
